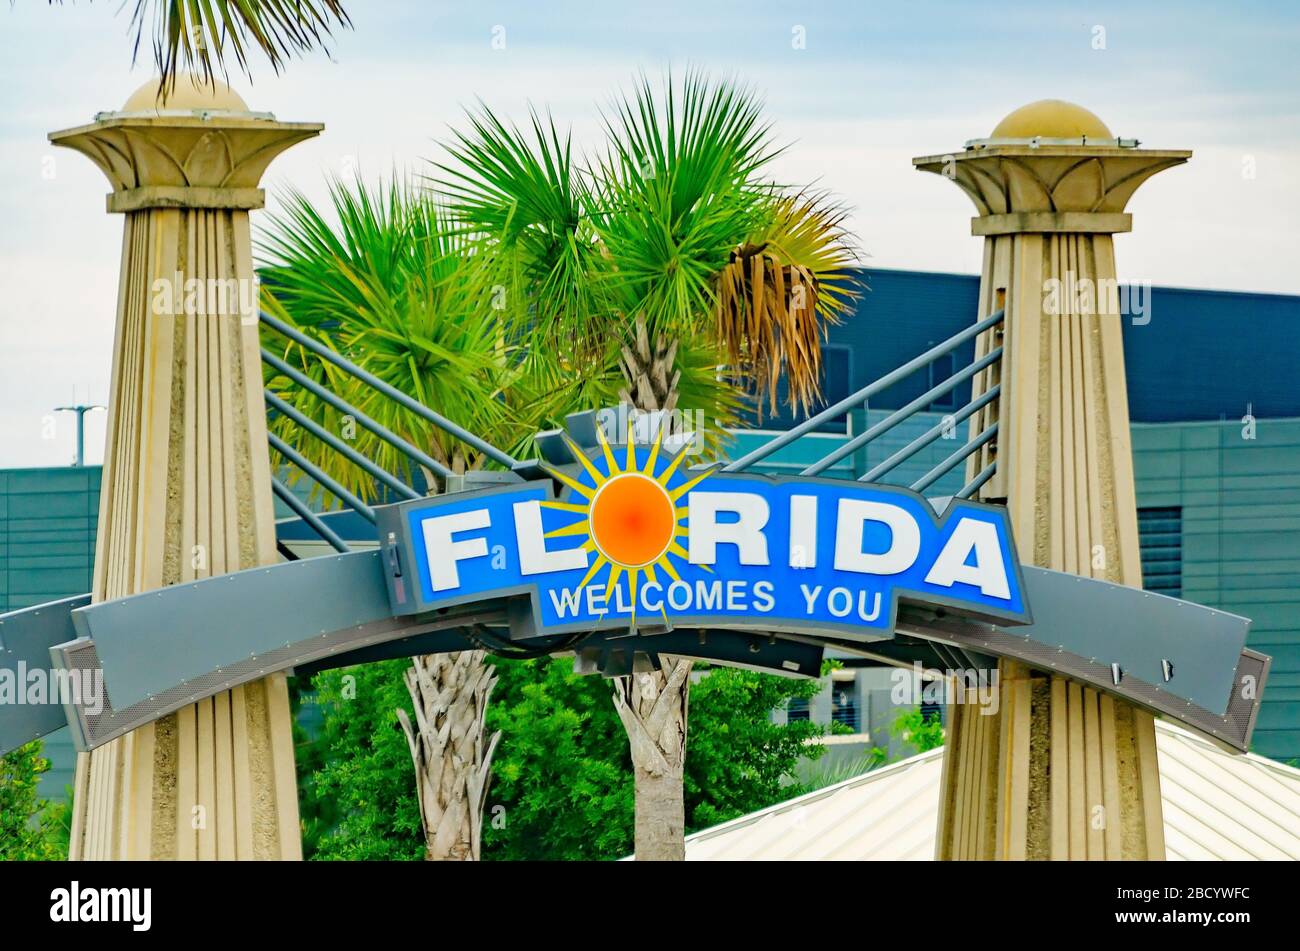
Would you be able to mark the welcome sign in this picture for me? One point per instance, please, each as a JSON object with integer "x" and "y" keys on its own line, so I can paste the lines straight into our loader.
{"x": 635, "y": 539}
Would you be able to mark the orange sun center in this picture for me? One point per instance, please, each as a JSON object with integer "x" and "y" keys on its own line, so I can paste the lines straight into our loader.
{"x": 632, "y": 520}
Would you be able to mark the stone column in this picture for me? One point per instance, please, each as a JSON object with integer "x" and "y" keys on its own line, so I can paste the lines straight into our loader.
{"x": 1060, "y": 770}
{"x": 186, "y": 488}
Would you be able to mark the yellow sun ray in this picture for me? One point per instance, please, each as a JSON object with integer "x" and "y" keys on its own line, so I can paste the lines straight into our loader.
{"x": 600, "y": 562}
{"x": 652, "y": 578}
{"x": 637, "y": 576}
{"x": 577, "y": 528}
{"x": 585, "y": 491}
{"x": 676, "y": 549}
{"x": 670, "y": 469}
{"x": 587, "y": 464}
{"x": 609, "y": 454}
{"x": 631, "y": 583}
{"x": 569, "y": 507}
{"x": 689, "y": 484}
{"x": 654, "y": 453}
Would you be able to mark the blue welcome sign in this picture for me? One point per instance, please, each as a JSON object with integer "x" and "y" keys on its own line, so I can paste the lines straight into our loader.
{"x": 633, "y": 538}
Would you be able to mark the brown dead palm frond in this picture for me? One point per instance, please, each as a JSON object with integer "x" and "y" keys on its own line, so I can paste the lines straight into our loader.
{"x": 780, "y": 291}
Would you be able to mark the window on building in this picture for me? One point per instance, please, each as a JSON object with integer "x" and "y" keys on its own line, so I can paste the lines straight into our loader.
{"x": 940, "y": 370}
{"x": 844, "y": 708}
{"x": 836, "y": 383}
{"x": 1160, "y": 533}
{"x": 929, "y": 710}
{"x": 797, "y": 710}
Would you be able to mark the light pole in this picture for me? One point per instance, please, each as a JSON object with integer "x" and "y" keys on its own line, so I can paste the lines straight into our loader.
{"x": 81, "y": 410}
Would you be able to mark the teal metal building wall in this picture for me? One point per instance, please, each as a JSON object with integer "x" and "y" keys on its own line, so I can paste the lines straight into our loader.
{"x": 47, "y": 533}
{"x": 48, "y": 519}
{"x": 1238, "y": 501}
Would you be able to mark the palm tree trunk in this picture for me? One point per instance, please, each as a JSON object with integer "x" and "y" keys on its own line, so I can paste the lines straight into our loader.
{"x": 653, "y": 705}
{"x": 452, "y": 761}
{"x": 653, "y": 708}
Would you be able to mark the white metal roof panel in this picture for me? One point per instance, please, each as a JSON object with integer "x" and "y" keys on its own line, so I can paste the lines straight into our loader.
{"x": 1217, "y": 805}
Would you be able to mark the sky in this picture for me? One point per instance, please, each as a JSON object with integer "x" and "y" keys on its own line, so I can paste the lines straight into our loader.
{"x": 855, "y": 89}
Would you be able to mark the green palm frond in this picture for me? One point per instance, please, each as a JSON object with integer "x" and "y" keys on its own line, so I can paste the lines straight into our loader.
{"x": 389, "y": 285}
{"x": 193, "y": 34}
{"x": 710, "y": 402}
{"x": 668, "y": 272}
{"x": 677, "y": 190}
{"x": 673, "y": 227}
{"x": 523, "y": 197}
{"x": 704, "y": 140}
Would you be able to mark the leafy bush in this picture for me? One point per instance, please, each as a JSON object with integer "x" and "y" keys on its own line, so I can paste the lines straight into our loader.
{"x": 30, "y": 828}
{"x": 923, "y": 732}
{"x": 562, "y": 785}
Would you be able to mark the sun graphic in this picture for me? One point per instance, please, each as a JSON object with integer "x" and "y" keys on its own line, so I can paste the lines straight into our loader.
{"x": 632, "y": 520}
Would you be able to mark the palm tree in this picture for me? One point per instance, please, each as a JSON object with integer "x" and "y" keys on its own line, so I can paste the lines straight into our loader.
{"x": 189, "y": 36}
{"x": 673, "y": 256}
{"x": 392, "y": 285}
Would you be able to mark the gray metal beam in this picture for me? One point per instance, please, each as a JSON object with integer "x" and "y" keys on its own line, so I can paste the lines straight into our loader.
{"x": 366, "y": 422}
{"x": 342, "y": 448}
{"x": 855, "y": 400}
{"x": 251, "y": 614}
{"x": 903, "y": 413}
{"x": 205, "y": 636}
{"x": 931, "y": 434}
{"x": 974, "y": 485}
{"x": 26, "y": 637}
{"x": 394, "y": 394}
{"x": 199, "y": 629}
{"x": 285, "y": 495}
{"x": 333, "y": 485}
{"x": 942, "y": 469}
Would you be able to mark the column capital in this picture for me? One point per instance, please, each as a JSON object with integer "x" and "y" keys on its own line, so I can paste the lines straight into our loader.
{"x": 1041, "y": 188}
{"x": 194, "y": 148}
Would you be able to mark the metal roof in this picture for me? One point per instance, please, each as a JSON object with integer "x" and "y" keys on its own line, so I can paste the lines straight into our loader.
{"x": 1217, "y": 805}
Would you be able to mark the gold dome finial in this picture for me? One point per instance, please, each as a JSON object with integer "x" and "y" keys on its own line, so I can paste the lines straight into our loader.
{"x": 1051, "y": 119}
{"x": 188, "y": 93}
